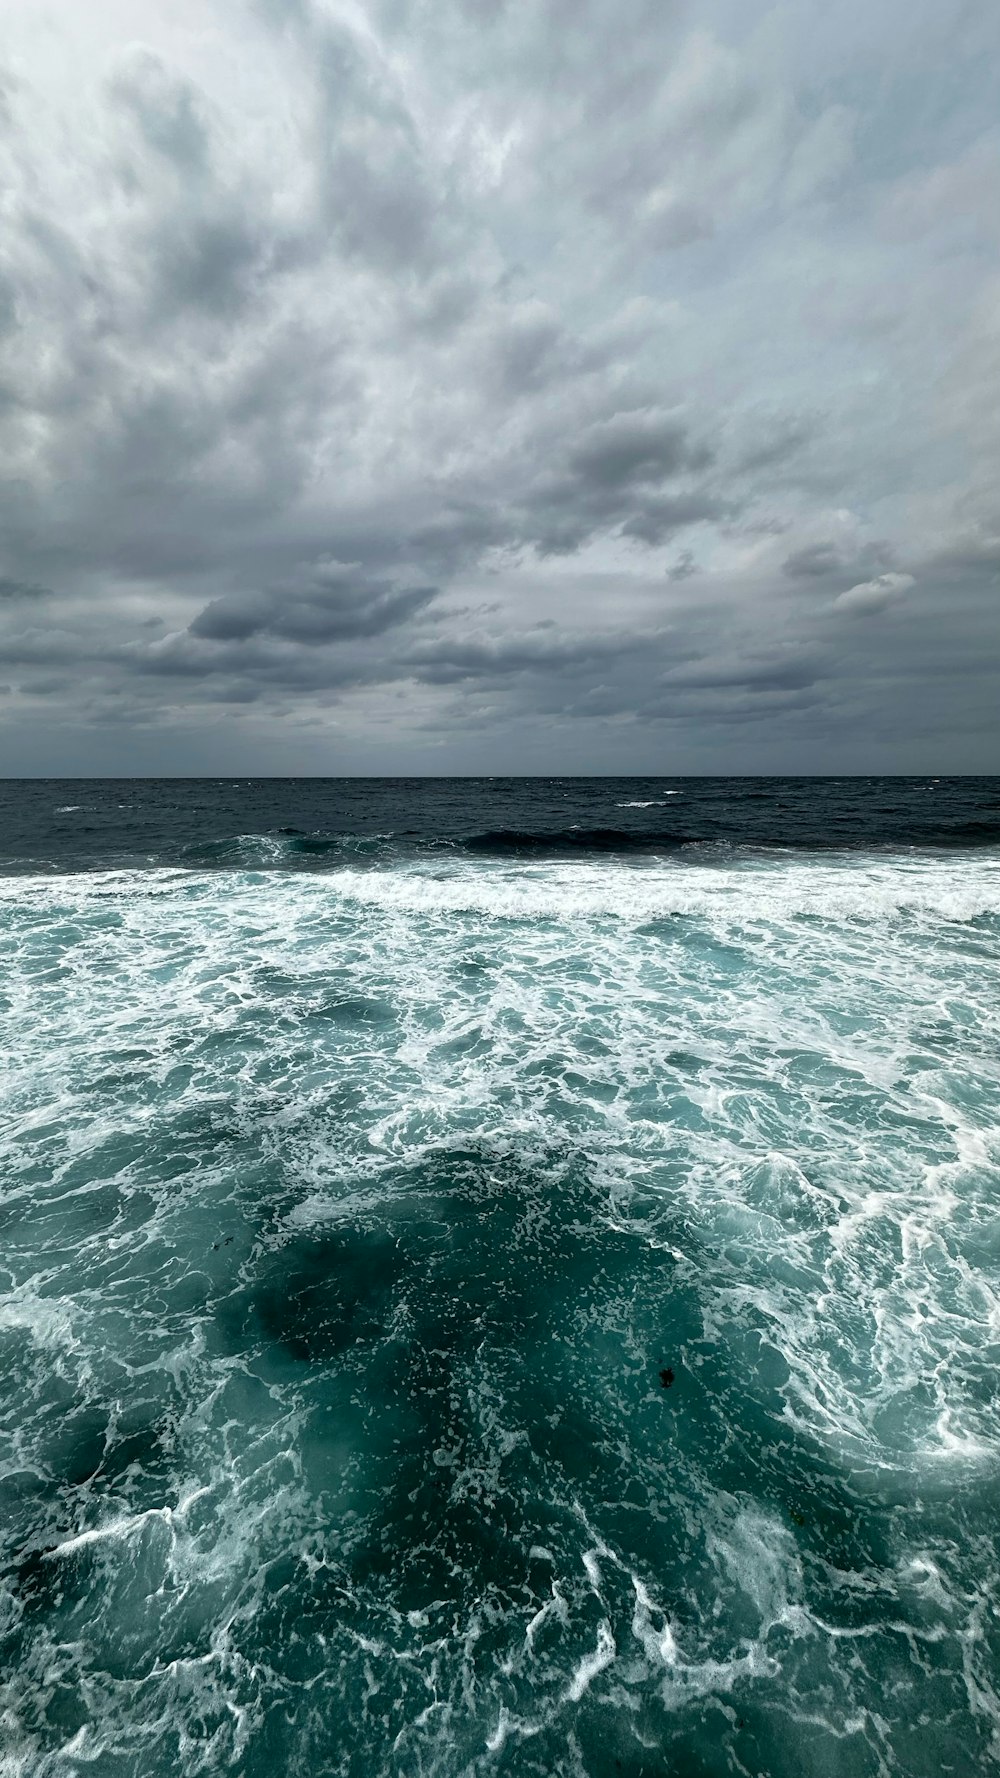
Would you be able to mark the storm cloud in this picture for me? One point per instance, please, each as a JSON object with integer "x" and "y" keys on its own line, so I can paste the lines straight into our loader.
{"x": 481, "y": 387}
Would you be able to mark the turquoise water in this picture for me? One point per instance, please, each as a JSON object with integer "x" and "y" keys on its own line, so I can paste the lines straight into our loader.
{"x": 502, "y": 1315}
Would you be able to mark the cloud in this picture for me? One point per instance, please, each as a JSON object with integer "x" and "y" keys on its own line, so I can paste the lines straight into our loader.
{"x": 168, "y": 110}
{"x": 635, "y": 448}
{"x": 813, "y": 560}
{"x": 870, "y": 596}
{"x": 638, "y": 473}
{"x": 540, "y": 651}
{"x": 508, "y": 374}
{"x": 12, "y": 590}
{"x": 329, "y": 604}
{"x": 848, "y": 554}
{"x": 683, "y": 567}
{"x": 752, "y": 672}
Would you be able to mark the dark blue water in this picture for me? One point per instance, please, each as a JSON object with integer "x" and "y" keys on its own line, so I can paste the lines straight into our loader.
{"x": 312, "y": 823}
{"x": 500, "y": 1277}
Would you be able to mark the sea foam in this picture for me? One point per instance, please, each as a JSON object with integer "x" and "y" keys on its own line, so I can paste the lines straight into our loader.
{"x": 511, "y": 1314}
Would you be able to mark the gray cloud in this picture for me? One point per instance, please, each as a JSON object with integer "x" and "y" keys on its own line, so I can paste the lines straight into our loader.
{"x": 683, "y": 567}
{"x": 11, "y": 590}
{"x": 542, "y": 650}
{"x": 637, "y": 473}
{"x": 633, "y": 448}
{"x": 775, "y": 672}
{"x": 168, "y": 110}
{"x": 813, "y": 559}
{"x": 330, "y": 607}
{"x": 543, "y": 380}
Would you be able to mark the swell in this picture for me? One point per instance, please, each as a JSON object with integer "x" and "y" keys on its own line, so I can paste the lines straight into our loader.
{"x": 841, "y": 835}
{"x": 505, "y": 842}
{"x": 316, "y": 826}
{"x": 285, "y": 849}
{"x": 289, "y": 848}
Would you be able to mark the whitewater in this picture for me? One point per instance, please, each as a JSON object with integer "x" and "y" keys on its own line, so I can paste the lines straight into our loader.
{"x": 507, "y": 1313}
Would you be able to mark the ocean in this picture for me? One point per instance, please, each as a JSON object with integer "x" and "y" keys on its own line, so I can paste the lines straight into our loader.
{"x": 500, "y": 1277}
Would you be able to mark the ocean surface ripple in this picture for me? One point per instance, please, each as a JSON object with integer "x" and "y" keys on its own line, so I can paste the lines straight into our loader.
{"x": 503, "y": 1310}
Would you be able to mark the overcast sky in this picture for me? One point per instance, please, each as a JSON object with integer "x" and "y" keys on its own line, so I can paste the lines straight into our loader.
{"x": 500, "y": 385}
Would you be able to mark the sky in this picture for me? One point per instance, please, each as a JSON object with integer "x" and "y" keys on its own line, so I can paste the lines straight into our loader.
{"x": 447, "y": 386}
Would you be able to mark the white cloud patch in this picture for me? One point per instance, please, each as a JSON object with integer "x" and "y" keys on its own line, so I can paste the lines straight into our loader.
{"x": 870, "y": 596}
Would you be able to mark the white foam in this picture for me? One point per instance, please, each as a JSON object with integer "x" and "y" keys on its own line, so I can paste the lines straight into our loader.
{"x": 115, "y": 1531}
{"x": 591, "y": 1665}
{"x": 788, "y": 1094}
{"x": 51, "y": 1321}
{"x": 744, "y": 892}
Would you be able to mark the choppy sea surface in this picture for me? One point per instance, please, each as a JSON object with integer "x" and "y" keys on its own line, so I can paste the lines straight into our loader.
{"x": 500, "y": 1277}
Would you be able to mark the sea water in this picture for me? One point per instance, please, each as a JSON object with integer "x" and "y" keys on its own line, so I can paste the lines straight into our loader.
{"x": 500, "y": 1278}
